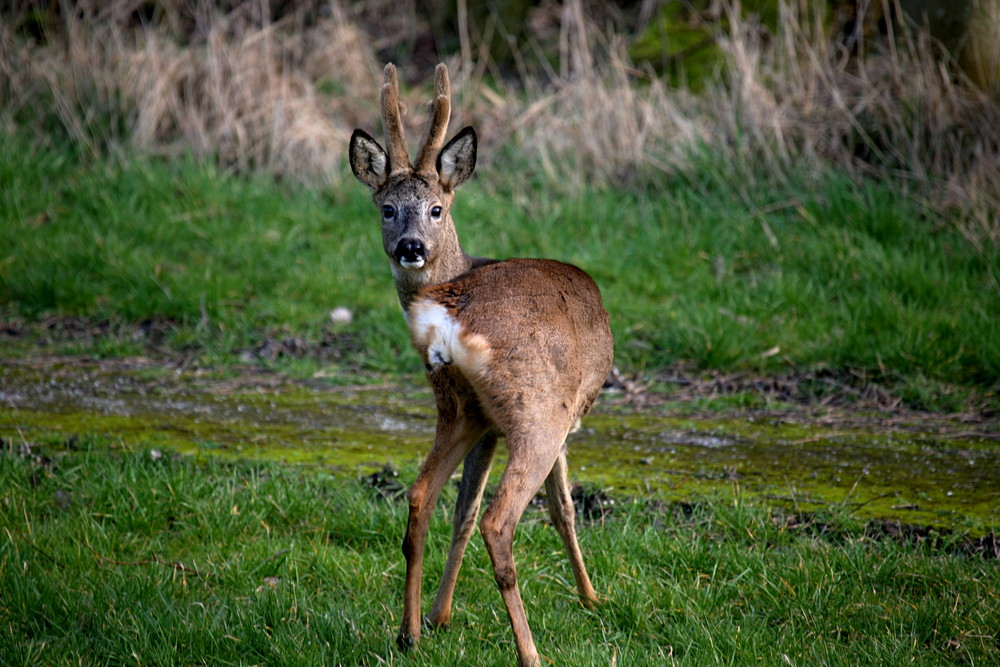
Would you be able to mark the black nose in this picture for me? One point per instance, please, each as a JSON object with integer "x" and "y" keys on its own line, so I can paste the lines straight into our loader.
{"x": 410, "y": 250}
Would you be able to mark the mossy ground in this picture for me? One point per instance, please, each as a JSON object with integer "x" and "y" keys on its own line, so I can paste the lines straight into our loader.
{"x": 920, "y": 468}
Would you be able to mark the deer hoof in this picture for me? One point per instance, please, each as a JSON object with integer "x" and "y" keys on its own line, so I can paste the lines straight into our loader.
{"x": 436, "y": 624}
{"x": 404, "y": 642}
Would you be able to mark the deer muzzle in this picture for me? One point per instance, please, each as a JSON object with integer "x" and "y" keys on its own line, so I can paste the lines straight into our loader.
{"x": 410, "y": 253}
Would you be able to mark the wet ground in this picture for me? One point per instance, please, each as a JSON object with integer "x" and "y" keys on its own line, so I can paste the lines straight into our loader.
{"x": 917, "y": 468}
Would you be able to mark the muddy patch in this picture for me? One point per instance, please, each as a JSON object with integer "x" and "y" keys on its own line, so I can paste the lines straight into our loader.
{"x": 916, "y": 468}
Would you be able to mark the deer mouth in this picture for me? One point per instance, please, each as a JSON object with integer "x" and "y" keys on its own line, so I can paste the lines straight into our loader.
{"x": 413, "y": 264}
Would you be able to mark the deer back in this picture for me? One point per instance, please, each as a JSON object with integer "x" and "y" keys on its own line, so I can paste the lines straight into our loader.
{"x": 529, "y": 335}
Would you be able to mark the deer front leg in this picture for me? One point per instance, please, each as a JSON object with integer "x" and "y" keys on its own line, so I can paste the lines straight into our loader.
{"x": 475, "y": 470}
{"x": 453, "y": 440}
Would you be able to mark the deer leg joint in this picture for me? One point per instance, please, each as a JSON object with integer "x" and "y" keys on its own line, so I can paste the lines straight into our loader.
{"x": 408, "y": 547}
{"x": 506, "y": 577}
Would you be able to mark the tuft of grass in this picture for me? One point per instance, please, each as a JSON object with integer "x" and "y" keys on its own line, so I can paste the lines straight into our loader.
{"x": 121, "y": 553}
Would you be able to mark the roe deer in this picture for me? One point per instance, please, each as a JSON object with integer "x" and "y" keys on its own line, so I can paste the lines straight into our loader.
{"x": 517, "y": 348}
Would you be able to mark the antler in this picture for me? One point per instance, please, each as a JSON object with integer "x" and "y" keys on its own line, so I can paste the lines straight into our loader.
{"x": 438, "y": 125}
{"x": 392, "y": 123}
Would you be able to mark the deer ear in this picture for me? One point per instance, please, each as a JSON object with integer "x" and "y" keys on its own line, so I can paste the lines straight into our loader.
{"x": 457, "y": 160}
{"x": 369, "y": 162}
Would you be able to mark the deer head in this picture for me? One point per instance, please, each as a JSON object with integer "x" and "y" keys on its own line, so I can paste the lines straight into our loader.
{"x": 418, "y": 233}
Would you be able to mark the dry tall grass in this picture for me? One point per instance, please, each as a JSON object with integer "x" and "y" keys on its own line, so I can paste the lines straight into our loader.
{"x": 900, "y": 109}
{"x": 246, "y": 94}
{"x": 785, "y": 101}
{"x": 283, "y": 96}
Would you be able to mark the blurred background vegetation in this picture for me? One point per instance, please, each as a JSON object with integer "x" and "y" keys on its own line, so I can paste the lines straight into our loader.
{"x": 767, "y": 186}
{"x": 588, "y": 92}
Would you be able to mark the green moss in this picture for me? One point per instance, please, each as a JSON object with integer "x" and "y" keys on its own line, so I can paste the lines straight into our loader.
{"x": 672, "y": 44}
{"x": 681, "y": 41}
{"x": 923, "y": 472}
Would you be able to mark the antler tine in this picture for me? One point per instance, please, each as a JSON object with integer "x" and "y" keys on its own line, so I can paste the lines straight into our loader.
{"x": 392, "y": 123}
{"x": 438, "y": 125}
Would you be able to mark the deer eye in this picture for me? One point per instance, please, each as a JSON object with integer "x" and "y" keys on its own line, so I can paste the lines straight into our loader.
{"x": 435, "y": 211}
{"x": 388, "y": 212}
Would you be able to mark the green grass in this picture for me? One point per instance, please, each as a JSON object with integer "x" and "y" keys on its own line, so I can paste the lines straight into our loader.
{"x": 816, "y": 275}
{"x": 110, "y": 556}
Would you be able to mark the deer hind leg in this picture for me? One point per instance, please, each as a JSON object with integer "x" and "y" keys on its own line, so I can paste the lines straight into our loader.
{"x": 475, "y": 471}
{"x": 563, "y": 518}
{"x": 452, "y": 441}
{"x": 531, "y": 459}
